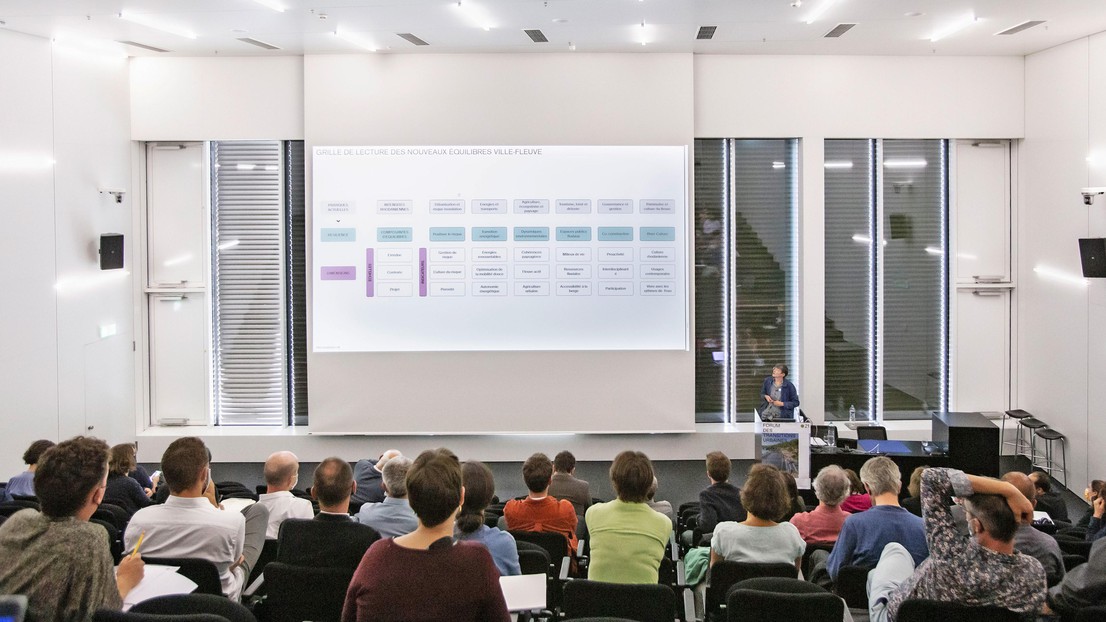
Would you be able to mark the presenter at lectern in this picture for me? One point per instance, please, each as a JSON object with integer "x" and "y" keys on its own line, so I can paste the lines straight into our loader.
{"x": 780, "y": 396}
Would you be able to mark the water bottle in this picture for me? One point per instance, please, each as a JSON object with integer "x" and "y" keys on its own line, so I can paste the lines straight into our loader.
{"x": 829, "y": 437}
{"x": 852, "y": 412}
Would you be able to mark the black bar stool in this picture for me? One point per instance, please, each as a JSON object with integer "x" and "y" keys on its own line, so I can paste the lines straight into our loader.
{"x": 1032, "y": 424}
{"x": 1045, "y": 462}
{"x": 1017, "y": 415}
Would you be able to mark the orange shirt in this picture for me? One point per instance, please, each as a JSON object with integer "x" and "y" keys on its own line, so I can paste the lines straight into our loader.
{"x": 546, "y": 514}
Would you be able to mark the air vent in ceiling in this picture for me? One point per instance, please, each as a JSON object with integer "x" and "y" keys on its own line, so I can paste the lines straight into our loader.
{"x": 706, "y": 32}
{"x": 142, "y": 45}
{"x": 536, "y": 36}
{"x": 838, "y": 30}
{"x": 1022, "y": 26}
{"x": 260, "y": 44}
{"x": 411, "y": 38}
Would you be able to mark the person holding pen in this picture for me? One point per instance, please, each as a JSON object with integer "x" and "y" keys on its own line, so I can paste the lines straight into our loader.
{"x": 55, "y": 557}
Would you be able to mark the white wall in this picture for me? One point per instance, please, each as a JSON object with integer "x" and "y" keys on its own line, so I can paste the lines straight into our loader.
{"x": 57, "y": 376}
{"x": 1062, "y": 326}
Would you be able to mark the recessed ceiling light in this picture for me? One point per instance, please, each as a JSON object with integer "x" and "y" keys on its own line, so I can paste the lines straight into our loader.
{"x": 355, "y": 39}
{"x": 272, "y": 4}
{"x": 239, "y": 31}
{"x": 819, "y": 10}
{"x": 914, "y": 14}
{"x": 560, "y": 20}
{"x": 1020, "y": 27}
{"x": 144, "y": 20}
{"x": 954, "y": 27}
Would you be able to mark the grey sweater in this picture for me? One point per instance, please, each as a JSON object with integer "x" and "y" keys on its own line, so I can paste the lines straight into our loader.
{"x": 63, "y": 566}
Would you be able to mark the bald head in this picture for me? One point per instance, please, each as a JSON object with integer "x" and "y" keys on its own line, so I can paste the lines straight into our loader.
{"x": 385, "y": 457}
{"x": 1024, "y": 485}
{"x": 281, "y": 471}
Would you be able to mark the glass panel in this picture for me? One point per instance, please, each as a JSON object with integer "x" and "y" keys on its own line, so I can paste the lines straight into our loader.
{"x": 710, "y": 280}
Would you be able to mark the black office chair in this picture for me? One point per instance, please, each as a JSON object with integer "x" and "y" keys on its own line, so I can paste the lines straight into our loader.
{"x": 202, "y": 572}
{"x": 116, "y": 514}
{"x": 268, "y": 554}
{"x": 648, "y": 602}
{"x": 919, "y": 610}
{"x": 1070, "y": 546}
{"x": 297, "y": 593}
{"x": 532, "y": 560}
{"x": 115, "y": 539}
{"x": 1071, "y": 561}
{"x": 1091, "y": 614}
{"x": 777, "y": 599}
{"x": 871, "y": 433}
{"x": 107, "y": 615}
{"x": 208, "y": 604}
{"x": 852, "y": 585}
{"x": 724, "y": 574}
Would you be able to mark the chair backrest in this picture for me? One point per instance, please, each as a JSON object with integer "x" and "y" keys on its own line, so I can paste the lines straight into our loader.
{"x": 1071, "y": 561}
{"x": 725, "y": 573}
{"x": 1075, "y": 547}
{"x": 1090, "y": 614}
{"x": 324, "y": 543}
{"x": 119, "y": 515}
{"x": 107, "y": 615}
{"x": 777, "y": 599}
{"x": 209, "y": 604}
{"x": 852, "y": 585}
{"x": 871, "y": 433}
{"x": 532, "y": 561}
{"x": 554, "y": 543}
{"x": 919, "y": 610}
{"x": 810, "y": 548}
{"x": 202, "y": 572}
{"x": 296, "y": 593}
{"x": 648, "y": 602}
{"x": 268, "y": 554}
{"x": 115, "y": 539}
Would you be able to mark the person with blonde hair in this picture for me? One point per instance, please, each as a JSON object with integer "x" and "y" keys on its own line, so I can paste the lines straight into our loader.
{"x": 123, "y": 490}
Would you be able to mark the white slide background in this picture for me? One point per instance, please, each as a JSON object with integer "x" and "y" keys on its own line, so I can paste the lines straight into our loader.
{"x": 473, "y": 294}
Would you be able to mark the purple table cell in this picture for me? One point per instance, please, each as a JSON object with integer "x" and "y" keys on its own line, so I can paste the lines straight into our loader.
{"x": 370, "y": 273}
{"x": 339, "y": 273}
{"x": 422, "y": 272}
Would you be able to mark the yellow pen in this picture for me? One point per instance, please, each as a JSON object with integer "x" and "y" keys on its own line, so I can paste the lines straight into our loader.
{"x": 138, "y": 544}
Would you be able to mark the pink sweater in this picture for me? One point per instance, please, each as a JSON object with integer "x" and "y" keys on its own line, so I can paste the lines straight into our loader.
{"x": 822, "y": 524}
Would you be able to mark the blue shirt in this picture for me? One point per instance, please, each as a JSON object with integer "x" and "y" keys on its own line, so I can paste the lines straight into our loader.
{"x": 391, "y": 517}
{"x": 500, "y": 544}
{"x": 788, "y": 394}
{"x": 22, "y": 484}
{"x": 864, "y": 535}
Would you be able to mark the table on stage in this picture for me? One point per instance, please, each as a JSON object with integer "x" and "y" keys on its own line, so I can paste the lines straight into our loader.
{"x": 908, "y": 455}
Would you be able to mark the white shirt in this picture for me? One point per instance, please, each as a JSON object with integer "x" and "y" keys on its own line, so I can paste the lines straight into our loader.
{"x": 192, "y": 527}
{"x": 283, "y": 505}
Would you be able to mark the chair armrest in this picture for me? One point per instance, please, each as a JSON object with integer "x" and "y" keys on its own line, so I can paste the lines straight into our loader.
{"x": 689, "y": 607}
{"x": 681, "y": 574}
{"x": 566, "y": 563}
{"x": 252, "y": 588}
{"x": 674, "y": 547}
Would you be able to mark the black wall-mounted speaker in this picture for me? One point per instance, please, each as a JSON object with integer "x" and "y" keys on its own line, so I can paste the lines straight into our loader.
{"x": 111, "y": 251}
{"x": 1092, "y": 252}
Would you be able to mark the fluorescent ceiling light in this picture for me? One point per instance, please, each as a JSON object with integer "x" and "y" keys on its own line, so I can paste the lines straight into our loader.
{"x": 954, "y": 27}
{"x": 1060, "y": 276}
{"x": 819, "y": 10}
{"x": 19, "y": 162}
{"x": 355, "y": 39}
{"x": 145, "y": 20}
{"x": 81, "y": 45}
{"x": 474, "y": 14}
{"x": 905, "y": 163}
{"x": 838, "y": 164}
{"x": 272, "y": 4}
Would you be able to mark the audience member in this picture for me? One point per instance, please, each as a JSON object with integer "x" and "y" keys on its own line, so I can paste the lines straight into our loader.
{"x": 980, "y": 571}
{"x": 913, "y": 503}
{"x": 24, "y": 483}
{"x": 564, "y": 484}
{"x": 332, "y": 539}
{"x": 282, "y": 471}
{"x": 1031, "y": 541}
{"x": 864, "y": 535}
{"x": 823, "y": 523}
{"x": 1094, "y": 491}
{"x": 55, "y": 557}
{"x": 796, "y": 505}
{"x": 858, "y": 499}
{"x": 479, "y": 486}
{"x": 539, "y": 511}
{"x": 423, "y": 575}
{"x": 760, "y": 538}
{"x": 393, "y": 516}
{"x": 1082, "y": 586}
{"x": 369, "y": 477}
{"x": 122, "y": 490}
{"x": 1096, "y": 526}
{"x": 191, "y": 524}
{"x": 1048, "y": 500}
{"x": 664, "y": 507}
{"x": 721, "y": 501}
{"x": 627, "y": 536}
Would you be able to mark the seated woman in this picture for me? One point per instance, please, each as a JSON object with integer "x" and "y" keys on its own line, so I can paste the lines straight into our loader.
{"x": 759, "y": 538}
{"x": 479, "y": 490}
{"x": 423, "y": 575}
{"x": 913, "y": 503}
{"x": 858, "y": 499}
{"x": 55, "y": 557}
{"x": 796, "y": 505}
{"x": 122, "y": 489}
{"x": 24, "y": 483}
{"x": 823, "y": 523}
{"x": 627, "y": 536}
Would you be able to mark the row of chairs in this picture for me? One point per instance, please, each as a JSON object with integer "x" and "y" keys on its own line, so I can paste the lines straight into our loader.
{"x": 1026, "y": 444}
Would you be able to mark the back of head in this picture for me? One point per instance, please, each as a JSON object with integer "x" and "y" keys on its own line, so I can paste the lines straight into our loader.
{"x": 434, "y": 486}
{"x": 831, "y": 485}
{"x": 536, "y": 472}
{"x": 994, "y": 515}
{"x": 1041, "y": 480}
{"x": 764, "y": 494}
{"x": 183, "y": 463}
{"x": 35, "y": 451}
{"x": 281, "y": 470}
{"x": 915, "y": 485}
{"x": 1024, "y": 485}
{"x": 395, "y": 476}
{"x": 121, "y": 460}
{"x": 856, "y": 487}
{"x": 882, "y": 476}
{"x": 68, "y": 472}
{"x": 632, "y": 476}
{"x": 653, "y": 488}
{"x": 718, "y": 466}
{"x": 479, "y": 489}
{"x": 385, "y": 457}
{"x": 1098, "y": 488}
{"x": 564, "y": 462}
{"x": 333, "y": 482}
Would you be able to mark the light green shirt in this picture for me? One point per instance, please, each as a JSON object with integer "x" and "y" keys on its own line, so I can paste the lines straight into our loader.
{"x": 627, "y": 542}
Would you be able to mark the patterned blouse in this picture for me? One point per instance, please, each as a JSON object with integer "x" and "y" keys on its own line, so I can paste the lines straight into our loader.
{"x": 958, "y": 568}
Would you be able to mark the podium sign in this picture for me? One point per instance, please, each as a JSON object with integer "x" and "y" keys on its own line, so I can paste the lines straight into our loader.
{"x": 786, "y": 446}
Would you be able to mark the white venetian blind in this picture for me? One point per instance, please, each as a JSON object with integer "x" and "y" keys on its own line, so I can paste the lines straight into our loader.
{"x": 247, "y": 283}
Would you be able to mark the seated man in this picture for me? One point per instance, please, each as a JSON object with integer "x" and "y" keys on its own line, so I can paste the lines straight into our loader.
{"x": 721, "y": 501}
{"x": 823, "y": 523}
{"x": 332, "y": 539}
{"x": 24, "y": 483}
{"x": 539, "y": 511}
{"x": 393, "y": 516}
{"x": 980, "y": 571}
{"x": 1084, "y": 585}
{"x": 190, "y": 524}
{"x": 864, "y": 535}
{"x": 564, "y": 484}
{"x": 1048, "y": 500}
{"x": 368, "y": 475}
{"x": 1032, "y": 541}
{"x": 55, "y": 557}
{"x": 282, "y": 471}
{"x": 662, "y": 507}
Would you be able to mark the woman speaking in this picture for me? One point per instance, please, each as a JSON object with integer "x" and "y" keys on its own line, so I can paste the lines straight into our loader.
{"x": 780, "y": 396}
